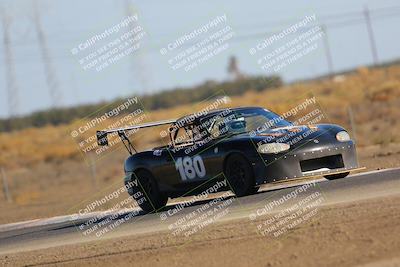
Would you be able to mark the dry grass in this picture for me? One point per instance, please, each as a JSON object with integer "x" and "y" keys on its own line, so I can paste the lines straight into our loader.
{"x": 48, "y": 175}
{"x": 373, "y": 95}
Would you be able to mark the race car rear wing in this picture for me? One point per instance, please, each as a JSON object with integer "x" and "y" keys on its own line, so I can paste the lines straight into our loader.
{"x": 102, "y": 139}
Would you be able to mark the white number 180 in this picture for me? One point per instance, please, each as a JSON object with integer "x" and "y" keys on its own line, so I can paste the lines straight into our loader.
{"x": 190, "y": 168}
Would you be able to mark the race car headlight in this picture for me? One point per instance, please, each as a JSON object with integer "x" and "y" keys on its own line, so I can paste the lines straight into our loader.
{"x": 343, "y": 136}
{"x": 273, "y": 148}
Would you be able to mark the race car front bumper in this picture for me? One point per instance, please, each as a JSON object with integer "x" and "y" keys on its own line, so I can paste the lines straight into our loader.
{"x": 305, "y": 161}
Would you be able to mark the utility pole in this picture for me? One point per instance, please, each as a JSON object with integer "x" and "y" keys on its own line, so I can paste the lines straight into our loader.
{"x": 6, "y": 190}
{"x": 327, "y": 50}
{"x": 93, "y": 171}
{"x": 138, "y": 62}
{"x": 371, "y": 36}
{"x": 12, "y": 88}
{"x": 51, "y": 78}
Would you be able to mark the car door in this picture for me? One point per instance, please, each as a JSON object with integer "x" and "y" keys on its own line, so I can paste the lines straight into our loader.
{"x": 193, "y": 160}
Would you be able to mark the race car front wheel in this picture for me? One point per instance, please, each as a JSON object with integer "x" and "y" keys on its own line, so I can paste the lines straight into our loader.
{"x": 146, "y": 193}
{"x": 336, "y": 176}
{"x": 240, "y": 176}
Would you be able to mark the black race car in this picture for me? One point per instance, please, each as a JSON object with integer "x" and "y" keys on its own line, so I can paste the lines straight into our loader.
{"x": 246, "y": 147}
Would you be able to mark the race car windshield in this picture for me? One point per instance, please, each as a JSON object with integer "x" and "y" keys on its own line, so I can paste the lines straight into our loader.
{"x": 246, "y": 120}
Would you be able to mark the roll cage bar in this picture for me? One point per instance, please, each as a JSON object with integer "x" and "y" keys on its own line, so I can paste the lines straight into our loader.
{"x": 102, "y": 136}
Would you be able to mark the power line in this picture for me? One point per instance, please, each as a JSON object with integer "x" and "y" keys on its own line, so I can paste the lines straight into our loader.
{"x": 51, "y": 79}
{"x": 374, "y": 13}
{"x": 259, "y": 35}
{"x": 371, "y": 36}
{"x": 327, "y": 50}
{"x": 138, "y": 64}
{"x": 339, "y": 24}
{"x": 12, "y": 87}
{"x": 324, "y": 19}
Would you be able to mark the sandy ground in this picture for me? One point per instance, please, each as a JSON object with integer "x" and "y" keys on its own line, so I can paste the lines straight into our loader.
{"x": 364, "y": 233}
{"x": 46, "y": 196}
{"x": 355, "y": 225}
{"x": 353, "y": 233}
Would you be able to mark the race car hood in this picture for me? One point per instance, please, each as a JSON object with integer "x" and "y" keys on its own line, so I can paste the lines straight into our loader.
{"x": 295, "y": 135}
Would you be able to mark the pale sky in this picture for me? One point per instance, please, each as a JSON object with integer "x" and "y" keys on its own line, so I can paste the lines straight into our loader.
{"x": 66, "y": 24}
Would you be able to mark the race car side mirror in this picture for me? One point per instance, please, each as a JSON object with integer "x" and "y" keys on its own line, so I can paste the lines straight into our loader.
{"x": 102, "y": 139}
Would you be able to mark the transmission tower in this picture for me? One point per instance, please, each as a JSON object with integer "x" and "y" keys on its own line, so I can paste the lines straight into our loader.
{"x": 51, "y": 79}
{"x": 371, "y": 36}
{"x": 12, "y": 87}
{"x": 138, "y": 62}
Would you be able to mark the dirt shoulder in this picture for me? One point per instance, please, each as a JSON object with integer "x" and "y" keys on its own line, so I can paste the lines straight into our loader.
{"x": 59, "y": 196}
{"x": 351, "y": 234}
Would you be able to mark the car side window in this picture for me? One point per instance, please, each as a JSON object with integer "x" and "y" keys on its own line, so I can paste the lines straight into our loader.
{"x": 184, "y": 136}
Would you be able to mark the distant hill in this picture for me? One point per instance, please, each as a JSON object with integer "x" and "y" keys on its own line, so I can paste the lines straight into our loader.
{"x": 163, "y": 99}
{"x": 366, "y": 102}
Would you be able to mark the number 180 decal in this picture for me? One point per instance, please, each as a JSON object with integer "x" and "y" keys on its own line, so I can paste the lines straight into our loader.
{"x": 190, "y": 168}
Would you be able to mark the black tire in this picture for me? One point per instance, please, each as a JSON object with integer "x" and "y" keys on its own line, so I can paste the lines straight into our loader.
{"x": 240, "y": 175}
{"x": 147, "y": 194}
{"x": 337, "y": 176}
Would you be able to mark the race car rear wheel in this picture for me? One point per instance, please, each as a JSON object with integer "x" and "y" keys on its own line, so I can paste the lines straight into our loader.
{"x": 240, "y": 175}
{"x": 337, "y": 176}
{"x": 147, "y": 193}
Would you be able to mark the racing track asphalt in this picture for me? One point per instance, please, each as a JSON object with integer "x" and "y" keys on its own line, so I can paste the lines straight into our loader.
{"x": 62, "y": 231}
